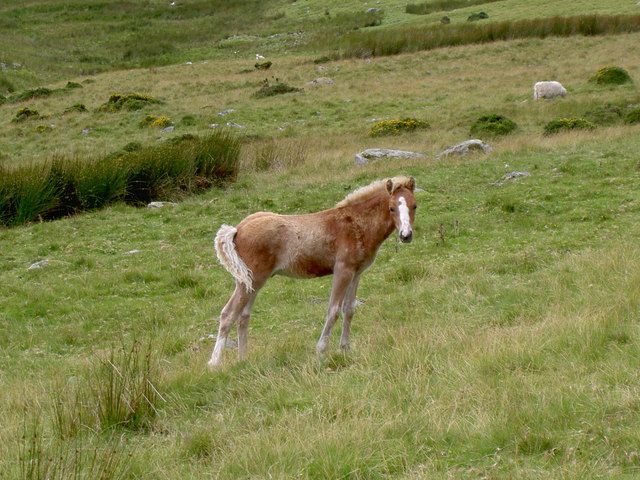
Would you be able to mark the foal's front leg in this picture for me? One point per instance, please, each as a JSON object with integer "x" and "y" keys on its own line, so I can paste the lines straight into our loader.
{"x": 348, "y": 309}
{"x": 341, "y": 280}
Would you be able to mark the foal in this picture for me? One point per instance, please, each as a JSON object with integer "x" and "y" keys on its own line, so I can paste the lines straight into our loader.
{"x": 342, "y": 241}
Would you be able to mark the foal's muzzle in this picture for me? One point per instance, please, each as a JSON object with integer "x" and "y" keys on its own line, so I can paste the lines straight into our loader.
{"x": 406, "y": 237}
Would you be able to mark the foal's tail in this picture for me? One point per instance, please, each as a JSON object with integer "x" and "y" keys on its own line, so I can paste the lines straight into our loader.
{"x": 229, "y": 258}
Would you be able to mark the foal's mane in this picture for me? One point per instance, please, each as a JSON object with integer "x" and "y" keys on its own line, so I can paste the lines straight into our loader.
{"x": 372, "y": 189}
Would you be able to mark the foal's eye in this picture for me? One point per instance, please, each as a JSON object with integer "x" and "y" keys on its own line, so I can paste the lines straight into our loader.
{"x": 415, "y": 206}
{"x": 391, "y": 209}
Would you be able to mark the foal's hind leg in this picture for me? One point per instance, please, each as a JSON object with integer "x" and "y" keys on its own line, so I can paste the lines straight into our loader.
{"x": 243, "y": 324}
{"x": 234, "y": 307}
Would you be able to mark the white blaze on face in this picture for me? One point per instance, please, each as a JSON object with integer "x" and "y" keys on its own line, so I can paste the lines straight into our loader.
{"x": 405, "y": 222}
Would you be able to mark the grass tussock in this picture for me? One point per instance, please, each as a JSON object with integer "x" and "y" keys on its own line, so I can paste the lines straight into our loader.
{"x": 65, "y": 186}
{"x": 412, "y": 39}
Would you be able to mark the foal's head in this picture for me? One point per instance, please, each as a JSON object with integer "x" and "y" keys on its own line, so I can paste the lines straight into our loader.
{"x": 402, "y": 206}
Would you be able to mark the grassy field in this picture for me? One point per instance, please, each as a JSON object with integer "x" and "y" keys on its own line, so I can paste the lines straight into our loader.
{"x": 502, "y": 343}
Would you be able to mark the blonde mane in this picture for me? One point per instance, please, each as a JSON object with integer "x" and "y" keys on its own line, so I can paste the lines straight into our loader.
{"x": 372, "y": 189}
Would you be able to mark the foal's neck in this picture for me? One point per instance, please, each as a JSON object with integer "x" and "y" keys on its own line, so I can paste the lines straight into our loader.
{"x": 374, "y": 215}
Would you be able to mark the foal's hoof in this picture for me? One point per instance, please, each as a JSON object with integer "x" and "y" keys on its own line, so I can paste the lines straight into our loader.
{"x": 212, "y": 366}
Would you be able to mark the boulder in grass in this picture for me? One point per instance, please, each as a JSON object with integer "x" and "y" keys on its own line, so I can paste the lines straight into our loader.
{"x": 465, "y": 148}
{"x": 374, "y": 154}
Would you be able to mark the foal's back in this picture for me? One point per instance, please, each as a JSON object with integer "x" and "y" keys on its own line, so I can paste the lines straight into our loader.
{"x": 300, "y": 246}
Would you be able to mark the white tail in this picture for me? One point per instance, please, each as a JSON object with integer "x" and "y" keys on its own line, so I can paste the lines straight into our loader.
{"x": 229, "y": 258}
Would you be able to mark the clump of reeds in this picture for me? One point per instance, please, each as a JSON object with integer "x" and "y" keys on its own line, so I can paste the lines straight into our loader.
{"x": 413, "y": 39}
{"x": 64, "y": 186}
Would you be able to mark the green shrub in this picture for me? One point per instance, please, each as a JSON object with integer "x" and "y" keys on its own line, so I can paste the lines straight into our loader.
{"x": 279, "y": 88}
{"x": 39, "y": 92}
{"x": 477, "y": 16}
{"x": 633, "y": 116}
{"x": 155, "y": 122}
{"x": 396, "y": 127}
{"x": 25, "y": 113}
{"x": 263, "y": 66}
{"x": 611, "y": 76}
{"x": 565, "y": 124}
{"x": 323, "y": 59}
{"x": 131, "y": 102}
{"x": 77, "y": 107}
{"x": 72, "y": 85}
{"x": 493, "y": 125}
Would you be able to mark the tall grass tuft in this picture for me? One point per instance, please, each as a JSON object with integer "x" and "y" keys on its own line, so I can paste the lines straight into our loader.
{"x": 413, "y": 39}
{"x": 46, "y": 457}
{"x": 64, "y": 186}
{"x": 123, "y": 391}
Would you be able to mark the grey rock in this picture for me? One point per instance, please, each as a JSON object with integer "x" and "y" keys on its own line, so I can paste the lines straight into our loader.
{"x": 225, "y": 112}
{"x": 465, "y": 148}
{"x": 156, "y": 205}
{"x": 39, "y": 264}
{"x": 168, "y": 129}
{"x": 374, "y": 154}
{"x": 235, "y": 125}
{"x": 321, "y": 81}
{"x": 511, "y": 176}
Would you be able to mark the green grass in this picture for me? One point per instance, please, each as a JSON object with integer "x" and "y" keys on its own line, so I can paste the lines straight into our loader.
{"x": 501, "y": 343}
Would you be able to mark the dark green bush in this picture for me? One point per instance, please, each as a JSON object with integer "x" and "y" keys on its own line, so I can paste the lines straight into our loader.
{"x": 566, "y": 124}
{"x": 474, "y": 17}
{"x": 39, "y": 92}
{"x": 132, "y": 102}
{"x": 279, "y": 88}
{"x": 263, "y": 66}
{"x": 25, "y": 113}
{"x": 611, "y": 76}
{"x": 78, "y": 107}
{"x": 493, "y": 125}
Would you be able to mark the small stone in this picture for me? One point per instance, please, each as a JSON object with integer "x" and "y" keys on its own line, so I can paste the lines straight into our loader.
{"x": 39, "y": 264}
{"x": 168, "y": 129}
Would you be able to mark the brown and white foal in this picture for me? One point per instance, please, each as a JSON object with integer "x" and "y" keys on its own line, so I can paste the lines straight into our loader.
{"x": 342, "y": 241}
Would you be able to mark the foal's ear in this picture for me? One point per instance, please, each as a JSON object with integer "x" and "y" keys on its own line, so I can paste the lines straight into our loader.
{"x": 411, "y": 185}
{"x": 390, "y": 186}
